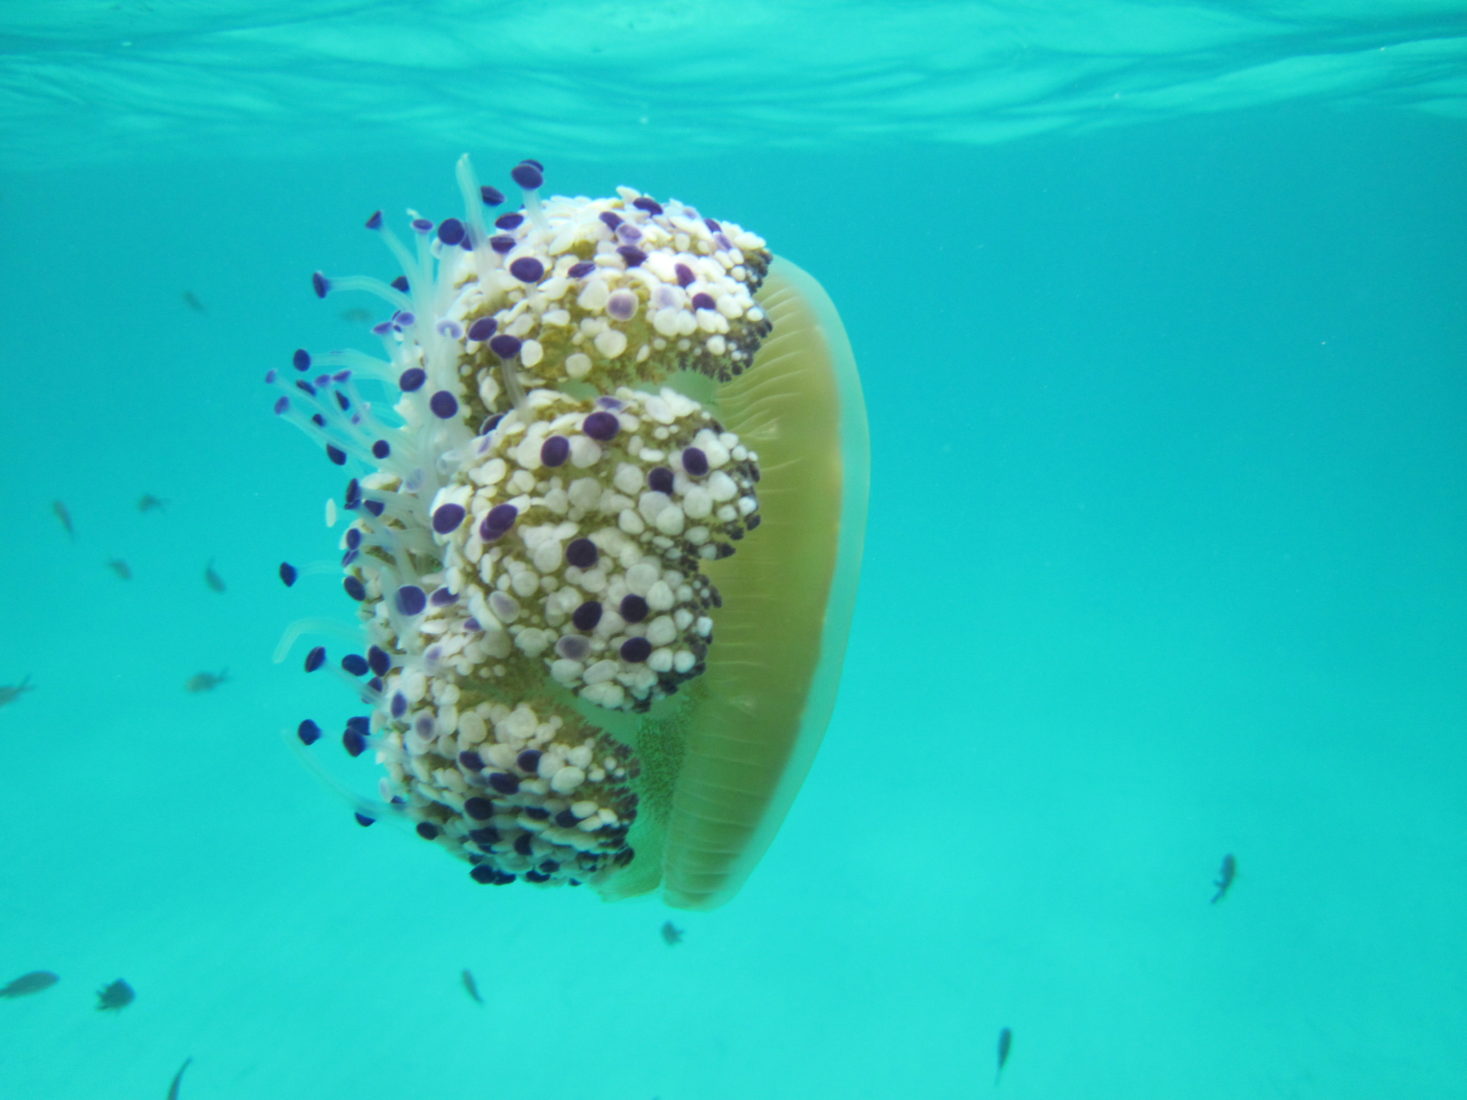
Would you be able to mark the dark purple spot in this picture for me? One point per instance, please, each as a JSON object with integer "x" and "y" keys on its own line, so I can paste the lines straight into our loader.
{"x": 527, "y": 174}
{"x": 633, "y": 608}
{"x": 523, "y": 844}
{"x": 582, "y": 269}
{"x": 427, "y": 830}
{"x": 353, "y": 537}
{"x": 484, "y": 836}
{"x": 610, "y": 403}
{"x": 381, "y": 449}
{"x": 483, "y": 874}
{"x": 412, "y": 379}
{"x": 353, "y": 741}
{"x": 505, "y": 346}
{"x": 499, "y": 520}
{"x": 320, "y": 284}
{"x": 399, "y": 704}
{"x": 336, "y": 454}
{"x": 354, "y": 588}
{"x": 379, "y": 660}
{"x": 482, "y": 329}
{"x": 567, "y": 820}
{"x": 652, "y": 206}
{"x": 685, "y": 275}
{"x": 316, "y": 658}
{"x": 610, "y": 220}
{"x": 301, "y": 360}
{"x": 411, "y": 599}
{"x": 631, "y": 255}
{"x": 447, "y": 517}
{"x": 509, "y": 221}
{"x": 582, "y": 552}
{"x": 471, "y": 760}
{"x": 479, "y": 808}
{"x": 400, "y": 283}
{"x": 601, "y": 425}
{"x": 421, "y": 225}
{"x": 713, "y": 226}
{"x": 375, "y": 221}
{"x": 703, "y": 300}
{"x": 281, "y": 404}
{"x": 308, "y": 732}
{"x": 451, "y": 231}
{"x": 636, "y": 650}
{"x": 355, "y": 664}
{"x": 555, "y": 450}
{"x": 363, "y": 820}
{"x": 527, "y": 269}
{"x": 587, "y": 615}
{"x": 491, "y": 196}
{"x": 288, "y": 573}
{"x": 659, "y": 480}
{"x": 528, "y": 760}
{"x": 503, "y": 782}
{"x": 502, "y": 243}
{"x": 441, "y": 597}
{"x": 375, "y": 507}
{"x": 443, "y": 404}
{"x": 695, "y": 461}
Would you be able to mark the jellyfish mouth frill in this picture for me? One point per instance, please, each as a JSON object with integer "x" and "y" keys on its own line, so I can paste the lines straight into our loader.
{"x": 537, "y": 531}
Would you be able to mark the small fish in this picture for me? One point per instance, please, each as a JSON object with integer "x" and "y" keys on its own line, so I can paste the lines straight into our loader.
{"x": 672, "y": 935}
{"x": 213, "y": 579}
{"x": 121, "y": 568}
{"x": 472, "y": 986}
{"x": 33, "y": 982}
{"x": 206, "y": 681}
{"x": 149, "y": 503}
{"x": 9, "y": 693}
{"x": 1005, "y": 1043}
{"x": 191, "y": 300}
{"x": 115, "y": 996}
{"x": 1225, "y": 877}
{"x": 64, "y": 515}
{"x": 173, "y": 1093}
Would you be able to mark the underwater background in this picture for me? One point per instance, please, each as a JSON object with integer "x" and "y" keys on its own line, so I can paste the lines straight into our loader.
{"x": 1161, "y": 312}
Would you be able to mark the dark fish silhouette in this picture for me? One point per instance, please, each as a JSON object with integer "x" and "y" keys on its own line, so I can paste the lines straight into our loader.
{"x": 149, "y": 503}
{"x": 33, "y": 982}
{"x": 672, "y": 935}
{"x": 9, "y": 693}
{"x": 64, "y": 516}
{"x": 121, "y": 568}
{"x": 213, "y": 579}
{"x": 191, "y": 300}
{"x": 173, "y": 1093}
{"x": 472, "y": 986}
{"x": 1005, "y": 1043}
{"x": 115, "y": 996}
{"x": 1225, "y": 877}
{"x": 206, "y": 681}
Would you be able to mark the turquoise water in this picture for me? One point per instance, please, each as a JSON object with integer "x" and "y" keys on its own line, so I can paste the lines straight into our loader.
{"x": 1165, "y": 559}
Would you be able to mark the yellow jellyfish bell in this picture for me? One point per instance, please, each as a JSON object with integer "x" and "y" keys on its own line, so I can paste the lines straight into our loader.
{"x": 605, "y": 548}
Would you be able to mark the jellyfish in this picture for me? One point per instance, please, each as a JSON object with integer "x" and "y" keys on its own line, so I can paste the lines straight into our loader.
{"x": 608, "y": 489}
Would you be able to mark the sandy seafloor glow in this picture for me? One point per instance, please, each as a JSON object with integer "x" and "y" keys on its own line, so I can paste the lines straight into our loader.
{"x": 1165, "y": 561}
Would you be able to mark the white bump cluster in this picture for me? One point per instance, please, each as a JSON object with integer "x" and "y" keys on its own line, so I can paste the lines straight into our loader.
{"x": 629, "y": 294}
{"x": 597, "y": 583}
{"x": 534, "y": 792}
